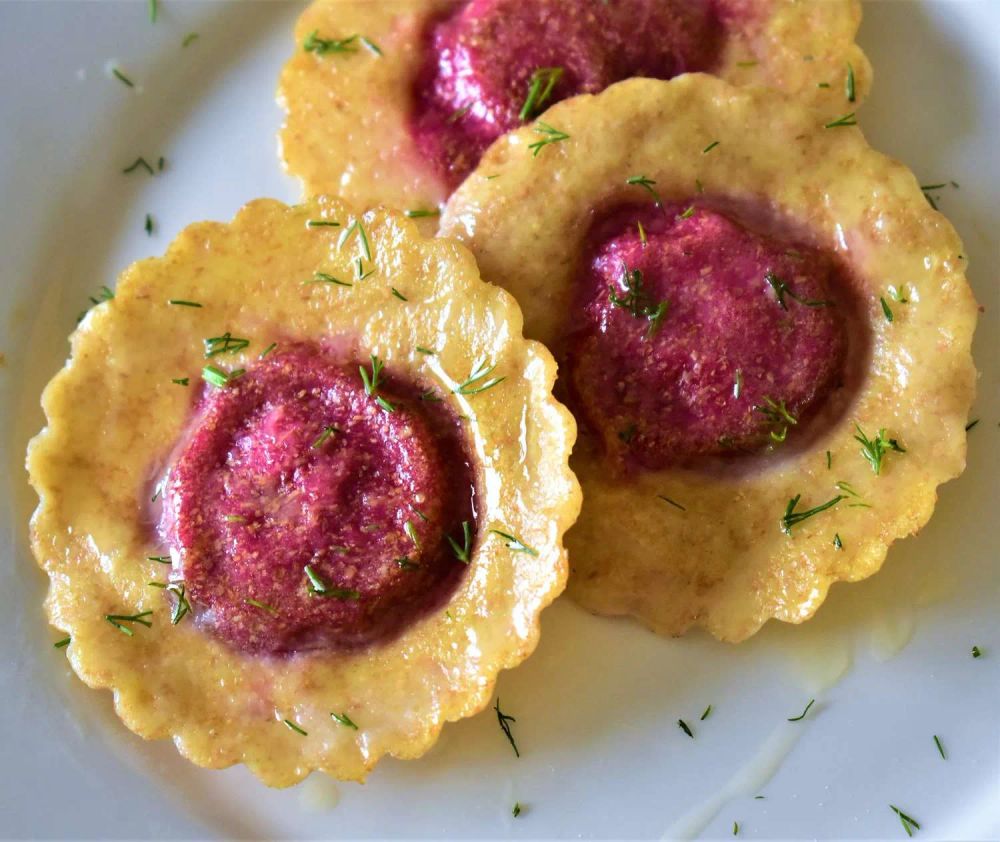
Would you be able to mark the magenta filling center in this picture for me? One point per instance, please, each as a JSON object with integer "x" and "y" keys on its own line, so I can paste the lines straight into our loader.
{"x": 483, "y": 59}
{"x": 696, "y": 337}
{"x": 302, "y": 514}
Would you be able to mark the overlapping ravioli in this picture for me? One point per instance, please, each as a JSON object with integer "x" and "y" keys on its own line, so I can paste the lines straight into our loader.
{"x": 394, "y": 102}
{"x": 302, "y": 491}
{"x": 762, "y": 327}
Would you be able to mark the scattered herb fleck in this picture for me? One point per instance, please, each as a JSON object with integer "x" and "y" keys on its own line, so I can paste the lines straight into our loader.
{"x": 849, "y": 88}
{"x": 710, "y": 147}
{"x": 345, "y": 720}
{"x": 262, "y": 606}
{"x": 940, "y": 748}
{"x": 837, "y": 543}
{"x": 473, "y": 386}
{"x": 736, "y": 828}
{"x": 685, "y": 728}
{"x": 688, "y": 212}
{"x": 971, "y": 424}
{"x": 225, "y": 344}
{"x": 189, "y": 39}
{"x": 322, "y": 438}
{"x": 802, "y": 715}
{"x": 218, "y": 377}
{"x": 421, "y": 213}
{"x": 549, "y": 135}
{"x": 706, "y": 714}
{"x": 886, "y": 309}
{"x": 909, "y": 824}
{"x": 267, "y": 350}
{"x": 516, "y": 811}
{"x": 325, "y": 278}
{"x": 148, "y": 225}
{"x": 846, "y": 120}
{"x": 119, "y": 621}
{"x": 62, "y": 644}
{"x": 154, "y": 9}
{"x": 646, "y": 184}
{"x": 543, "y": 80}
{"x": 397, "y": 294}
{"x": 121, "y": 77}
{"x": 874, "y": 450}
{"x": 781, "y": 289}
{"x": 515, "y": 544}
{"x": 180, "y": 302}
{"x": 294, "y": 727}
{"x": 139, "y": 162}
{"x": 673, "y": 503}
{"x": 356, "y": 226}
{"x": 159, "y": 559}
{"x": 791, "y": 517}
{"x": 371, "y": 46}
{"x": 462, "y": 551}
{"x": 321, "y": 46}
{"x": 322, "y": 223}
{"x": 505, "y": 721}
{"x": 427, "y": 351}
{"x": 977, "y": 652}
{"x": 405, "y": 564}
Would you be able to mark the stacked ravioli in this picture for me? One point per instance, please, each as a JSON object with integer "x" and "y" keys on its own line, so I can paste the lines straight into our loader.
{"x": 346, "y": 491}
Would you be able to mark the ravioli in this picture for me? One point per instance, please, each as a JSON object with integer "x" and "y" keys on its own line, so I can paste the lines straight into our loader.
{"x": 303, "y": 490}
{"x": 394, "y": 102}
{"x": 762, "y": 327}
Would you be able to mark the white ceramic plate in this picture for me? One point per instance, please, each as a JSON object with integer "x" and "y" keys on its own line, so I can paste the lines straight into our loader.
{"x": 888, "y": 660}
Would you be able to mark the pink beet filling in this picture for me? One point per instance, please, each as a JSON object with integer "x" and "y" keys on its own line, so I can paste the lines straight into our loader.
{"x": 293, "y": 464}
{"x": 707, "y": 340}
{"x": 480, "y": 59}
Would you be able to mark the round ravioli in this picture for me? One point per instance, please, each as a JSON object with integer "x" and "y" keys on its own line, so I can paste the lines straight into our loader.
{"x": 762, "y": 327}
{"x": 395, "y": 101}
{"x": 303, "y": 491}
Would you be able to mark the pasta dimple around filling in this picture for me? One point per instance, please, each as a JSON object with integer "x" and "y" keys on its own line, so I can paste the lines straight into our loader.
{"x": 310, "y": 503}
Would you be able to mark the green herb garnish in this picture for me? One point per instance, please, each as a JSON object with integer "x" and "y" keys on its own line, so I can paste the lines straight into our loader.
{"x": 104, "y": 294}
{"x": 62, "y": 644}
{"x": 294, "y": 727}
{"x": 710, "y": 147}
{"x": 267, "y": 350}
{"x": 977, "y": 652}
{"x": 180, "y": 302}
{"x": 121, "y": 77}
{"x": 404, "y": 563}
{"x": 321, "y": 46}
{"x": 874, "y": 450}
{"x": 462, "y": 551}
{"x": 218, "y": 377}
{"x": 849, "y": 91}
{"x": 909, "y": 824}
{"x": 148, "y": 225}
{"x": 421, "y": 213}
{"x": 154, "y": 8}
{"x": 781, "y": 289}
{"x": 642, "y": 234}
{"x": 802, "y": 715}
{"x": 325, "y": 278}
{"x": 647, "y": 185}
{"x": 886, "y": 310}
{"x": 322, "y": 223}
{"x": 505, "y": 721}
{"x": 705, "y": 715}
{"x": 119, "y": 620}
{"x": 371, "y": 46}
{"x": 263, "y": 606}
{"x": 940, "y": 748}
{"x": 736, "y": 828}
{"x": 549, "y": 135}
{"x": 397, "y": 294}
{"x": 778, "y": 415}
{"x": 181, "y": 605}
{"x": 373, "y": 381}
{"x": 159, "y": 559}
{"x": 688, "y": 213}
{"x": 139, "y": 162}
{"x": 411, "y": 533}
{"x": 673, "y": 503}
{"x": 359, "y": 228}
{"x": 515, "y": 544}
{"x": 516, "y": 810}
{"x": 846, "y": 120}
{"x": 328, "y": 431}
{"x": 459, "y": 113}
{"x": 540, "y": 88}
{"x": 837, "y": 543}
{"x": 189, "y": 39}
{"x": 685, "y": 728}
{"x": 426, "y": 351}
{"x": 473, "y": 385}
{"x": 637, "y": 301}
{"x": 225, "y": 344}
{"x": 345, "y": 720}
{"x": 791, "y": 517}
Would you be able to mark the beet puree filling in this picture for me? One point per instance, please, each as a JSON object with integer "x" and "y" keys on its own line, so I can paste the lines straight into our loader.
{"x": 480, "y": 60}
{"x": 310, "y": 508}
{"x": 696, "y": 337}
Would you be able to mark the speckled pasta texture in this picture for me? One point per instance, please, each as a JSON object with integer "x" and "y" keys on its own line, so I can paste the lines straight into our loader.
{"x": 114, "y": 414}
{"x": 724, "y": 561}
{"x": 346, "y": 129}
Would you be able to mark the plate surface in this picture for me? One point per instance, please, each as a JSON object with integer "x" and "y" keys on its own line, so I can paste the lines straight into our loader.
{"x": 887, "y": 660}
